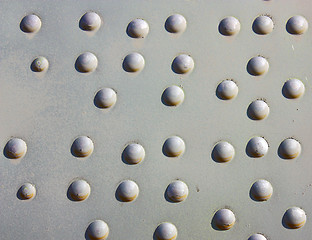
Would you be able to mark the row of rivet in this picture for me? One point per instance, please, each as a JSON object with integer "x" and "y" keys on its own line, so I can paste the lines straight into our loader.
{"x": 176, "y": 23}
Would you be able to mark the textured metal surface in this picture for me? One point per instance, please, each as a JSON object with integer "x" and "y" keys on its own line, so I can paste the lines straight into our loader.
{"x": 70, "y": 94}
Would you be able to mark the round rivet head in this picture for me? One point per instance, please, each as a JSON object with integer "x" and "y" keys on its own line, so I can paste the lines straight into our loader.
{"x": 177, "y": 191}
{"x": 261, "y": 190}
{"x": 15, "y": 148}
{"x": 258, "y": 110}
{"x": 105, "y": 98}
{"x": 224, "y": 219}
{"x": 294, "y": 218}
{"x": 289, "y": 149}
{"x": 133, "y": 62}
{"x": 257, "y": 147}
{"x": 40, "y": 64}
{"x": 86, "y": 62}
{"x": 127, "y": 191}
{"x": 166, "y": 231}
{"x": 297, "y": 25}
{"x": 82, "y": 147}
{"x": 257, "y": 236}
{"x": 27, "y": 191}
{"x": 223, "y": 152}
{"x": 79, "y": 190}
{"x": 183, "y": 64}
{"x": 97, "y": 230}
{"x": 174, "y": 147}
{"x": 133, "y": 154}
{"x": 176, "y": 23}
{"x": 257, "y": 66}
{"x": 293, "y": 88}
{"x": 30, "y": 24}
{"x": 227, "y": 90}
{"x": 90, "y": 21}
{"x": 263, "y": 25}
{"x": 173, "y": 96}
{"x": 229, "y": 26}
{"x": 138, "y": 28}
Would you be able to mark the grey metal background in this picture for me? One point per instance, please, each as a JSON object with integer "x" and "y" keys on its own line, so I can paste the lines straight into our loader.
{"x": 50, "y": 110}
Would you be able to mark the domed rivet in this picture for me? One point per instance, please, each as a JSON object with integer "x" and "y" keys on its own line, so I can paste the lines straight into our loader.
{"x": 79, "y": 190}
{"x": 127, "y": 191}
{"x": 293, "y": 88}
{"x": 227, "y": 90}
{"x": 297, "y": 25}
{"x": 105, "y": 98}
{"x": 97, "y": 230}
{"x": 174, "y": 147}
{"x": 257, "y": 147}
{"x": 86, "y": 62}
{"x": 263, "y": 25}
{"x": 294, "y": 218}
{"x": 133, "y": 62}
{"x": 257, "y": 236}
{"x": 166, "y": 231}
{"x": 176, "y": 23}
{"x": 229, "y": 26}
{"x": 289, "y": 149}
{"x": 173, "y": 96}
{"x": 183, "y": 64}
{"x": 133, "y": 154}
{"x": 224, "y": 219}
{"x": 26, "y": 191}
{"x": 257, "y": 66}
{"x": 261, "y": 190}
{"x": 15, "y": 148}
{"x": 90, "y": 21}
{"x": 223, "y": 152}
{"x": 82, "y": 147}
{"x": 30, "y": 24}
{"x": 138, "y": 28}
{"x": 258, "y": 110}
{"x": 177, "y": 191}
{"x": 40, "y": 64}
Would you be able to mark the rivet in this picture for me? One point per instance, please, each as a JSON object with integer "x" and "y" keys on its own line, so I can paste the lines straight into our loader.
{"x": 79, "y": 190}
{"x": 174, "y": 147}
{"x": 224, "y": 219}
{"x": 15, "y": 148}
{"x": 257, "y": 66}
{"x": 127, "y": 191}
{"x": 177, "y": 191}
{"x": 261, "y": 190}
{"x": 183, "y": 64}
{"x": 297, "y": 25}
{"x": 257, "y": 147}
{"x": 138, "y": 28}
{"x": 173, "y": 96}
{"x": 175, "y": 23}
{"x": 133, "y": 154}
{"x": 293, "y": 88}
{"x": 223, "y": 152}
{"x": 294, "y": 218}
{"x": 229, "y": 26}
{"x": 97, "y": 230}
{"x": 289, "y": 149}
{"x": 82, "y": 147}
{"x": 227, "y": 90}
{"x": 263, "y": 25}
{"x": 30, "y": 24}
{"x": 166, "y": 231}
{"x": 257, "y": 236}
{"x": 133, "y": 62}
{"x": 258, "y": 110}
{"x": 90, "y": 21}
{"x": 86, "y": 62}
{"x": 105, "y": 98}
{"x": 26, "y": 191}
{"x": 39, "y": 64}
